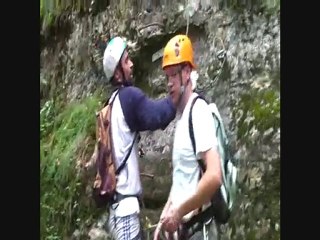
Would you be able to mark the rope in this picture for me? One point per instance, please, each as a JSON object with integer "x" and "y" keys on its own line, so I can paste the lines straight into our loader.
{"x": 187, "y": 24}
{"x": 223, "y": 51}
{"x": 188, "y": 16}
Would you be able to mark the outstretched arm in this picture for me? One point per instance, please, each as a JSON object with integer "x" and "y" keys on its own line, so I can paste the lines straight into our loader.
{"x": 142, "y": 113}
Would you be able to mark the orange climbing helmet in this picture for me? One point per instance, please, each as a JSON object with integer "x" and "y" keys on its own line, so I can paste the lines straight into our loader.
{"x": 178, "y": 50}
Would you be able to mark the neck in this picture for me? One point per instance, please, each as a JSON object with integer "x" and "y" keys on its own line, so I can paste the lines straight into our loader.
{"x": 184, "y": 98}
{"x": 124, "y": 83}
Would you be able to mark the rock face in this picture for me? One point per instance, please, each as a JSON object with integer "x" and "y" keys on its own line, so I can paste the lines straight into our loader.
{"x": 238, "y": 58}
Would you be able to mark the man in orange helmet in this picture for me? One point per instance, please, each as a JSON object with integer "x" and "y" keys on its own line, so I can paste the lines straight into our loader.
{"x": 191, "y": 190}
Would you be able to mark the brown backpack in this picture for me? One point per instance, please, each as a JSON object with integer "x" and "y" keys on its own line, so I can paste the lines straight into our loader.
{"x": 105, "y": 182}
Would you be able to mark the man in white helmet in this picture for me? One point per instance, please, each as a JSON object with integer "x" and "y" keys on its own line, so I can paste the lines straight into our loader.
{"x": 132, "y": 112}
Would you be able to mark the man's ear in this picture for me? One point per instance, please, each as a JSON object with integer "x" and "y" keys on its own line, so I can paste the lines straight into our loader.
{"x": 116, "y": 74}
{"x": 189, "y": 68}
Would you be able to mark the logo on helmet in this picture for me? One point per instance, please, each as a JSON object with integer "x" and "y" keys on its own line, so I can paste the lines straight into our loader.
{"x": 177, "y": 49}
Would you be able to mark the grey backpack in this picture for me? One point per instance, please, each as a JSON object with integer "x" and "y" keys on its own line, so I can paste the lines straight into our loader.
{"x": 223, "y": 200}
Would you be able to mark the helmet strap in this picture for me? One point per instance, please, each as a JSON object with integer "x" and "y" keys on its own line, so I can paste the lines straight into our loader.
{"x": 182, "y": 88}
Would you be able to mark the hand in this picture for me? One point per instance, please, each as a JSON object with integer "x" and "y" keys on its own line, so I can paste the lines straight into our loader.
{"x": 157, "y": 231}
{"x": 171, "y": 220}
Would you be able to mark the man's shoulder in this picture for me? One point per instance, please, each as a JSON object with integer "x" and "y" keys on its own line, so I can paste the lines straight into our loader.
{"x": 201, "y": 110}
{"x": 130, "y": 95}
{"x": 132, "y": 90}
{"x": 199, "y": 104}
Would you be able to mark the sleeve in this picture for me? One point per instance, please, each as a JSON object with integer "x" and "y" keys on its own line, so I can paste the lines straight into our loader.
{"x": 203, "y": 127}
{"x": 142, "y": 113}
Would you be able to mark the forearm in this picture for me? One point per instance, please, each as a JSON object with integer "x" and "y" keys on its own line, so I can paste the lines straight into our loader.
{"x": 142, "y": 113}
{"x": 208, "y": 184}
{"x": 155, "y": 114}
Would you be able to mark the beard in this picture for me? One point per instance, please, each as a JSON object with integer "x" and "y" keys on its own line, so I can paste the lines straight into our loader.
{"x": 129, "y": 80}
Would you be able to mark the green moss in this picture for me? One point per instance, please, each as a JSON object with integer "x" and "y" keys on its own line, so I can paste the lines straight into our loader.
{"x": 49, "y": 9}
{"x": 257, "y": 115}
{"x": 267, "y": 6}
{"x": 67, "y": 138}
{"x": 271, "y": 6}
{"x": 258, "y": 109}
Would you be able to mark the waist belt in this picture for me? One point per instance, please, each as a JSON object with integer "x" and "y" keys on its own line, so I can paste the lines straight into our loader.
{"x": 118, "y": 197}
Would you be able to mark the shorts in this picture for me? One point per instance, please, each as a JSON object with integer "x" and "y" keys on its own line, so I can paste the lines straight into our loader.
{"x": 124, "y": 228}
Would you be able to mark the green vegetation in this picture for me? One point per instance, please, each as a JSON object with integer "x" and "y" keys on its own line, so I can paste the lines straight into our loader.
{"x": 267, "y": 6}
{"x": 49, "y": 9}
{"x": 57, "y": 6}
{"x": 67, "y": 140}
{"x": 259, "y": 110}
{"x": 257, "y": 115}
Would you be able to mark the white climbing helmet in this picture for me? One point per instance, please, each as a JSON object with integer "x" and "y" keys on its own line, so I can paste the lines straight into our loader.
{"x": 112, "y": 55}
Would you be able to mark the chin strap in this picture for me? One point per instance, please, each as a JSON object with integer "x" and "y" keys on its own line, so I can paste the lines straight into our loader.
{"x": 182, "y": 88}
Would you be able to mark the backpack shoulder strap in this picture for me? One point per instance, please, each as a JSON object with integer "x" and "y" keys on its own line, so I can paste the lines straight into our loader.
{"x": 114, "y": 98}
{"x": 127, "y": 156}
{"x": 191, "y": 133}
{"x": 107, "y": 102}
{"x": 191, "y": 125}
{"x": 135, "y": 137}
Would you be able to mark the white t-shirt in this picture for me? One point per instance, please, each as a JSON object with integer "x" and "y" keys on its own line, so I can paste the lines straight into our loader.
{"x": 123, "y": 138}
{"x": 186, "y": 169}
